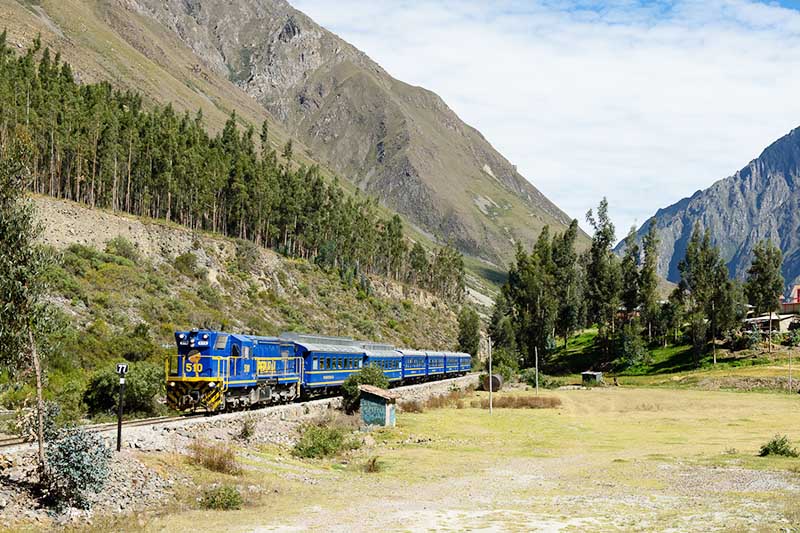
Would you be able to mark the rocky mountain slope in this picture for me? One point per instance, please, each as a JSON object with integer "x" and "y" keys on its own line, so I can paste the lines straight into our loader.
{"x": 761, "y": 201}
{"x": 398, "y": 142}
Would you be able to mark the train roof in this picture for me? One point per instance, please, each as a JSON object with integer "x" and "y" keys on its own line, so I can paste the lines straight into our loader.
{"x": 380, "y": 350}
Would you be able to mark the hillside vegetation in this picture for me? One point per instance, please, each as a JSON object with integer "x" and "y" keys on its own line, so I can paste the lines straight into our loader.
{"x": 124, "y": 285}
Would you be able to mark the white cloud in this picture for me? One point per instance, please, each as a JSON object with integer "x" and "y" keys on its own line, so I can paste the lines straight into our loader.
{"x": 641, "y": 102}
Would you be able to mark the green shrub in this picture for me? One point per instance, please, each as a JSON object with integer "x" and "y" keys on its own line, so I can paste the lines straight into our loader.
{"x": 186, "y": 264}
{"x": 753, "y": 339}
{"x": 215, "y": 457}
{"x": 222, "y": 498}
{"x": 504, "y": 362}
{"x": 136, "y": 345}
{"x": 122, "y": 247}
{"x": 778, "y": 445}
{"x": 143, "y": 384}
{"x": 319, "y": 441}
{"x": 247, "y": 256}
{"x": 26, "y": 423}
{"x": 369, "y": 375}
{"x": 545, "y": 381}
{"x": 77, "y": 466}
{"x": 792, "y": 338}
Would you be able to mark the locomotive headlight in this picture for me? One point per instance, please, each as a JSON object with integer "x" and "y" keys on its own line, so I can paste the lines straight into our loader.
{"x": 182, "y": 336}
{"x": 171, "y": 383}
{"x": 212, "y": 385}
{"x": 205, "y": 336}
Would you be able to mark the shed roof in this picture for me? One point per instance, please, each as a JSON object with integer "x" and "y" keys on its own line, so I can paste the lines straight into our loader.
{"x": 591, "y": 373}
{"x": 377, "y": 391}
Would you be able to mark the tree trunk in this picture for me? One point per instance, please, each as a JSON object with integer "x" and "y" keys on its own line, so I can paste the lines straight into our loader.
{"x": 37, "y": 367}
{"x": 770, "y": 332}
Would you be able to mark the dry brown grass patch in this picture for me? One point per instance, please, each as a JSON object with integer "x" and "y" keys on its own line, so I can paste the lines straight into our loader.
{"x": 215, "y": 457}
{"x": 519, "y": 402}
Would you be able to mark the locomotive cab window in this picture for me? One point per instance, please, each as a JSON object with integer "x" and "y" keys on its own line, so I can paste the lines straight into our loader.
{"x": 235, "y": 350}
{"x": 246, "y": 352}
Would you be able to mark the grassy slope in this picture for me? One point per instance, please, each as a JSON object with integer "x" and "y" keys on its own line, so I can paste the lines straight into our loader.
{"x": 674, "y": 366}
{"x": 103, "y": 297}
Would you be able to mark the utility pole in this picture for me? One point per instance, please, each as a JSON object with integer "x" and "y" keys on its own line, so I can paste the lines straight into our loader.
{"x": 490, "y": 376}
{"x": 122, "y": 369}
{"x": 713, "y": 330}
{"x": 536, "y": 351}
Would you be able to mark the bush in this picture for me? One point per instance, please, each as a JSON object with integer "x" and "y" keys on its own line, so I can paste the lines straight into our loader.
{"x": 26, "y": 424}
{"x": 792, "y": 338}
{"x": 319, "y": 441}
{"x": 373, "y": 465}
{"x": 78, "y": 466}
{"x": 143, "y": 384}
{"x": 779, "y": 445}
{"x": 122, "y": 247}
{"x": 135, "y": 346}
{"x": 369, "y": 375}
{"x": 504, "y": 362}
{"x": 247, "y": 256}
{"x": 215, "y": 457}
{"x": 545, "y": 382}
{"x": 186, "y": 264}
{"x": 222, "y": 498}
{"x": 248, "y": 429}
{"x": 753, "y": 339}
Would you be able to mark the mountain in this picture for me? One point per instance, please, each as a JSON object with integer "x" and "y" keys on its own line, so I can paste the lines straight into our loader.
{"x": 761, "y": 201}
{"x": 398, "y": 142}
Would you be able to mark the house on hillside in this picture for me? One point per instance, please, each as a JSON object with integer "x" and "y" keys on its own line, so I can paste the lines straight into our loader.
{"x": 792, "y": 303}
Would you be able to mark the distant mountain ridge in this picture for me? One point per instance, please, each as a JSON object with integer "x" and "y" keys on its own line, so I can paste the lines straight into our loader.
{"x": 398, "y": 142}
{"x": 761, "y": 201}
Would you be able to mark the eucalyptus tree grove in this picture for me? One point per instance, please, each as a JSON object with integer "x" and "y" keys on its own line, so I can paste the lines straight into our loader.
{"x": 105, "y": 147}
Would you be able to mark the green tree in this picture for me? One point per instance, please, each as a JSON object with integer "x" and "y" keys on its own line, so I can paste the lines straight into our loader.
{"x": 568, "y": 289}
{"x": 603, "y": 277}
{"x": 22, "y": 266}
{"x": 704, "y": 279}
{"x": 630, "y": 274}
{"x": 764, "y": 280}
{"x": 648, "y": 280}
{"x": 469, "y": 331}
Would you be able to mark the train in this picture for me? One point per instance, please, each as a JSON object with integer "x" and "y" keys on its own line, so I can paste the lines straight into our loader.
{"x": 215, "y": 371}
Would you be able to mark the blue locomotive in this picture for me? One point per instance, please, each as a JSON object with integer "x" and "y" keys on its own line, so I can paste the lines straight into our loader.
{"x": 217, "y": 371}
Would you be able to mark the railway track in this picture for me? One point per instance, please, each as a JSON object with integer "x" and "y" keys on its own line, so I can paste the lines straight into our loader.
{"x": 107, "y": 426}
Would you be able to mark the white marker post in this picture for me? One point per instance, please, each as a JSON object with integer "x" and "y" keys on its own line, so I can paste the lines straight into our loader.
{"x": 490, "y": 375}
{"x": 536, "y": 351}
{"x": 122, "y": 369}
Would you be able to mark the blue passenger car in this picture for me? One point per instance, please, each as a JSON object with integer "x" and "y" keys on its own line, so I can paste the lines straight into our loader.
{"x": 451, "y": 362}
{"x": 435, "y": 363}
{"x": 414, "y": 364}
{"x": 327, "y": 361}
{"x": 385, "y": 357}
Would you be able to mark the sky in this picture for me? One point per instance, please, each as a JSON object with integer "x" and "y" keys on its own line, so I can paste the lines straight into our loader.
{"x": 641, "y": 101}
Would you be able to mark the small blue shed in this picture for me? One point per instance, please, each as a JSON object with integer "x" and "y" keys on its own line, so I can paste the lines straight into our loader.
{"x": 378, "y": 406}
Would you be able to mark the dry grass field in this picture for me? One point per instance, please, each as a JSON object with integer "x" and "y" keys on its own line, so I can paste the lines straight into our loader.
{"x": 608, "y": 459}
